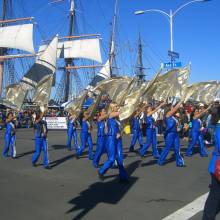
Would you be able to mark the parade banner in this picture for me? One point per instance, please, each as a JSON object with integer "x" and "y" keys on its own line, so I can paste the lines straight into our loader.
{"x": 56, "y": 123}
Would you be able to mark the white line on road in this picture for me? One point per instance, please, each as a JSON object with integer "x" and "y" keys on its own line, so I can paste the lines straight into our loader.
{"x": 189, "y": 210}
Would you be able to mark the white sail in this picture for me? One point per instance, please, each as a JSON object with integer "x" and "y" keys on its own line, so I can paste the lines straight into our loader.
{"x": 49, "y": 56}
{"x": 105, "y": 71}
{"x": 83, "y": 48}
{"x": 44, "y": 65}
{"x": 17, "y": 37}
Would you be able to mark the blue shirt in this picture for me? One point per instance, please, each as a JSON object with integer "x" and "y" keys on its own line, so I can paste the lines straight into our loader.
{"x": 85, "y": 126}
{"x": 113, "y": 127}
{"x": 40, "y": 129}
{"x": 71, "y": 124}
{"x": 170, "y": 124}
{"x": 135, "y": 124}
{"x": 196, "y": 125}
{"x": 101, "y": 128}
{"x": 149, "y": 122}
{"x": 10, "y": 128}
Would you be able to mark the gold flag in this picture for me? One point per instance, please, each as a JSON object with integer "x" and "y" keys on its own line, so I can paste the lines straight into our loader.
{"x": 130, "y": 104}
{"x": 15, "y": 93}
{"x": 75, "y": 106}
{"x": 42, "y": 92}
{"x": 172, "y": 82}
{"x": 204, "y": 92}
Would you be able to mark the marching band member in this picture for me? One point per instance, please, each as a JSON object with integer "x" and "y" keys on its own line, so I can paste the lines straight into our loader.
{"x": 212, "y": 207}
{"x": 136, "y": 131}
{"x": 151, "y": 132}
{"x": 71, "y": 132}
{"x": 86, "y": 136}
{"x": 196, "y": 133}
{"x": 101, "y": 137}
{"x": 10, "y": 136}
{"x": 40, "y": 130}
{"x": 171, "y": 137}
{"x": 114, "y": 145}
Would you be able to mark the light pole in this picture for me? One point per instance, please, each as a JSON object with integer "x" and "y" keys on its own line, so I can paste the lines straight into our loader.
{"x": 170, "y": 17}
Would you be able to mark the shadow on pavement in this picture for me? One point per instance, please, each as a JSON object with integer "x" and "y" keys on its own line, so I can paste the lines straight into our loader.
{"x": 25, "y": 153}
{"x": 60, "y": 161}
{"x": 102, "y": 192}
{"x": 58, "y": 147}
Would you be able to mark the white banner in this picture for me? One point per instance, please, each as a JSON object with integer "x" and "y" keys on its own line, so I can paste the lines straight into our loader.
{"x": 56, "y": 122}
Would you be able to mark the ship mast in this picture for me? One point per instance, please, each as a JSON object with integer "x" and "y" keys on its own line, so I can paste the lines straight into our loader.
{"x": 2, "y": 50}
{"x": 69, "y": 61}
{"x": 112, "y": 41}
{"x": 139, "y": 72}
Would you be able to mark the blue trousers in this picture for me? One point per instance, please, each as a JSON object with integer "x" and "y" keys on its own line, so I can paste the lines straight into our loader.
{"x": 100, "y": 149}
{"x": 114, "y": 153}
{"x": 151, "y": 140}
{"x": 72, "y": 134}
{"x": 86, "y": 138}
{"x": 9, "y": 143}
{"x": 196, "y": 137}
{"x": 41, "y": 144}
{"x": 171, "y": 139}
{"x": 137, "y": 135}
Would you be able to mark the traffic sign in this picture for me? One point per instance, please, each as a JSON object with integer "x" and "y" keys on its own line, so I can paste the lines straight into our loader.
{"x": 172, "y": 65}
{"x": 173, "y": 54}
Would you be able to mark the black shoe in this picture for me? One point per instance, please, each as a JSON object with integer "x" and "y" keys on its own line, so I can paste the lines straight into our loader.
{"x": 131, "y": 149}
{"x": 101, "y": 177}
{"x": 48, "y": 167}
{"x": 34, "y": 164}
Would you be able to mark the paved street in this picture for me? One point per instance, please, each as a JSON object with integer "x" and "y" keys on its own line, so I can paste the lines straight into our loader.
{"x": 72, "y": 189}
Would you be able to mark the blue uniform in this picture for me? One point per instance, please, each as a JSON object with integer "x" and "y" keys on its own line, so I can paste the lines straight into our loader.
{"x": 101, "y": 143}
{"x": 10, "y": 140}
{"x": 40, "y": 135}
{"x": 171, "y": 138}
{"x": 114, "y": 150}
{"x": 216, "y": 152}
{"x": 71, "y": 133}
{"x": 86, "y": 138}
{"x": 137, "y": 133}
{"x": 196, "y": 137}
{"x": 151, "y": 137}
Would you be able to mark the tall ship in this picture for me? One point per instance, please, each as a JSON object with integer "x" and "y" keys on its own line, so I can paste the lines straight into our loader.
{"x": 28, "y": 54}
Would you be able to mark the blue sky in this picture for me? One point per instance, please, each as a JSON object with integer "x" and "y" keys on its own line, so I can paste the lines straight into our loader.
{"x": 196, "y": 31}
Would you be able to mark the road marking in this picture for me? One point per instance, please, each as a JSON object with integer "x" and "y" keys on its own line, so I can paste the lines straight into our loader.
{"x": 189, "y": 210}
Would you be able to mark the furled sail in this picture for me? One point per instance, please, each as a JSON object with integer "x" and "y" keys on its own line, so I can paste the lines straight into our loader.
{"x": 44, "y": 65}
{"x": 17, "y": 37}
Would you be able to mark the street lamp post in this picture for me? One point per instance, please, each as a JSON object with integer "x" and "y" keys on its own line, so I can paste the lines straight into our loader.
{"x": 170, "y": 17}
